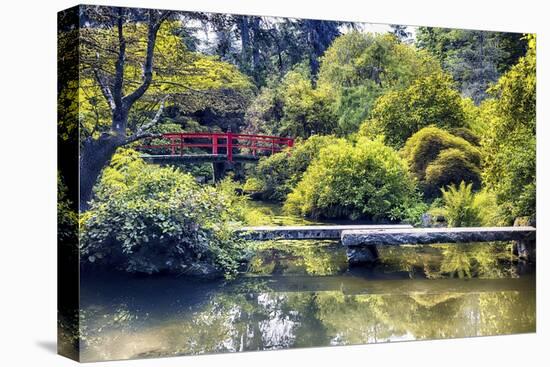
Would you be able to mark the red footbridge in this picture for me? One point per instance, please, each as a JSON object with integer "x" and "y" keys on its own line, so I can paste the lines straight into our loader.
{"x": 211, "y": 147}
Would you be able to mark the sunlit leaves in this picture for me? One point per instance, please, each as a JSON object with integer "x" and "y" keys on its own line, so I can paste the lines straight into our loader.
{"x": 510, "y": 140}
{"x": 191, "y": 80}
{"x": 365, "y": 179}
{"x": 397, "y": 115}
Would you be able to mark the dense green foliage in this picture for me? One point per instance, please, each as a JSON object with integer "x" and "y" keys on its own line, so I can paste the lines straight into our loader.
{"x": 438, "y": 158}
{"x": 195, "y": 82}
{"x": 67, "y": 218}
{"x": 510, "y": 141}
{"x": 462, "y": 207}
{"x": 362, "y": 180}
{"x": 264, "y": 47}
{"x": 277, "y": 175}
{"x": 476, "y": 59}
{"x": 354, "y": 71}
{"x": 383, "y": 127}
{"x": 459, "y": 206}
{"x": 428, "y": 101}
{"x": 451, "y": 166}
{"x": 358, "y": 68}
{"x": 148, "y": 219}
{"x": 292, "y": 107}
{"x": 305, "y": 109}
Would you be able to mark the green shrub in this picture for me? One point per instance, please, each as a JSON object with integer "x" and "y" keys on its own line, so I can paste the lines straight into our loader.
{"x": 252, "y": 185}
{"x": 67, "y": 223}
{"x": 67, "y": 217}
{"x": 431, "y": 100}
{"x": 466, "y": 134}
{"x": 306, "y": 110}
{"x": 450, "y": 167}
{"x": 366, "y": 179}
{"x": 150, "y": 219}
{"x": 275, "y": 176}
{"x": 489, "y": 211}
{"x": 446, "y": 158}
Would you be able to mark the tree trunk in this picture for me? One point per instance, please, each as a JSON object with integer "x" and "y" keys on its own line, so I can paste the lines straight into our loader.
{"x": 256, "y": 45}
{"x": 94, "y": 155}
{"x": 245, "y": 40}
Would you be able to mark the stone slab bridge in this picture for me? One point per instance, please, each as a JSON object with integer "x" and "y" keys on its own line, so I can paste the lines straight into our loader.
{"x": 226, "y": 151}
{"x": 361, "y": 241}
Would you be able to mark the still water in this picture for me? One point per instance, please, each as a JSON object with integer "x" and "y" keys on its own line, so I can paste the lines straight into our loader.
{"x": 297, "y": 299}
{"x": 302, "y": 294}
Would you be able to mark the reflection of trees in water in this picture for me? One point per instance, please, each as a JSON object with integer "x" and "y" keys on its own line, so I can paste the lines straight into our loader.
{"x": 480, "y": 260}
{"x": 375, "y": 318}
{"x": 299, "y": 257}
{"x": 267, "y": 320}
{"x": 505, "y": 311}
{"x": 251, "y": 316}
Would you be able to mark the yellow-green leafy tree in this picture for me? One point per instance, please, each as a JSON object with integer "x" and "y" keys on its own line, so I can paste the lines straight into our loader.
{"x": 132, "y": 64}
{"x": 510, "y": 139}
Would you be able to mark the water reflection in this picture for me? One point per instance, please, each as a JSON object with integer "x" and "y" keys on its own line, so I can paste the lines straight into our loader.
{"x": 140, "y": 318}
{"x": 473, "y": 260}
{"x": 298, "y": 258}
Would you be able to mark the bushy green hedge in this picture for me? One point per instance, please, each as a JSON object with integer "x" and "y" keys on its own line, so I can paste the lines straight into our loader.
{"x": 466, "y": 134}
{"x": 438, "y": 158}
{"x": 275, "y": 176}
{"x": 150, "y": 219}
{"x": 451, "y": 166}
{"x": 366, "y": 179}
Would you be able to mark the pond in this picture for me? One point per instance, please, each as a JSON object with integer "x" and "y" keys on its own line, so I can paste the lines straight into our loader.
{"x": 302, "y": 294}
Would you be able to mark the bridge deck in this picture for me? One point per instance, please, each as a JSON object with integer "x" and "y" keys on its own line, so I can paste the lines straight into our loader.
{"x": 318, "y": 232}
{"x": 399, "y": 236}
{"x": 197, "y": 158}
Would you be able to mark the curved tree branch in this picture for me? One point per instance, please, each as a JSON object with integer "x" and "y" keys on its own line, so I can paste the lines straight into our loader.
{"x": 105, "y": 90}
{"x": 142, "y": 132}
{"x": 154, "y": 25}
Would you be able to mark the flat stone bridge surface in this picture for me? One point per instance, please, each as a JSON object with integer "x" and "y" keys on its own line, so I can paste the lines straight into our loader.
{"x": 315, "y": 232}
{"x": 400, "y": 236}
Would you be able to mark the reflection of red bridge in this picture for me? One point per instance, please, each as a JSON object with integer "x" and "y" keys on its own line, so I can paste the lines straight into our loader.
{"x": 190, "y": 147}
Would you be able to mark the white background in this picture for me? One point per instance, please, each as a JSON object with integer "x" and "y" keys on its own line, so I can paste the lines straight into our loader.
{"x": 28, "y": 179}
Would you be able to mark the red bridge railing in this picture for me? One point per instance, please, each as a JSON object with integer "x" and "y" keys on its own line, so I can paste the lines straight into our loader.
{"x": 217, "y": 143}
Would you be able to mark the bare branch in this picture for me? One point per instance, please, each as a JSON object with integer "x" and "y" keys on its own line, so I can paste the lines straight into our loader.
{"x": 155, "y": 119}
{"x": 142, "y": 131}
{"x": 105, "y": 90}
